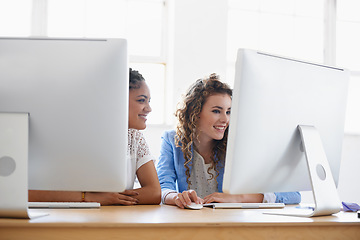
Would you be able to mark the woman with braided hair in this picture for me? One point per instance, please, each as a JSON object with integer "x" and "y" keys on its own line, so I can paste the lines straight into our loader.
{"x": 141, "y": 162}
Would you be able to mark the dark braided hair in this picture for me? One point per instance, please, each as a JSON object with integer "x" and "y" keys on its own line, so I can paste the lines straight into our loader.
{"x": 135, "y": 79}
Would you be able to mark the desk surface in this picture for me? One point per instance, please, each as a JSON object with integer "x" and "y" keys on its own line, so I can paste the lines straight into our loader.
{"x": 139, "y": 222}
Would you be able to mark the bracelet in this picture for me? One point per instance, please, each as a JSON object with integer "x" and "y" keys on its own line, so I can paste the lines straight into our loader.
{"x": 83, "y": 196}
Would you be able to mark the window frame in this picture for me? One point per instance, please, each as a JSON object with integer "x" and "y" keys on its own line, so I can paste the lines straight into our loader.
{"x": 39, "y": 18}
{"x": 329, "y": 54}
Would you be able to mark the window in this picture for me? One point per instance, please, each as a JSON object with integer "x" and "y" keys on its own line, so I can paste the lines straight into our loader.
{"x": 286, "y": 27}
{"x": 348, "y": 56}
{"x": 15, "y": 20}
{"x": 296, "y": 28}
{"x": 142, "y": 22}
{"x": 348, "y": 36}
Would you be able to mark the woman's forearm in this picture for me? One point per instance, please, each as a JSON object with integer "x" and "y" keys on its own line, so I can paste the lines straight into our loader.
{"x": 250, "y": 198}
{"x": 54, "y": 196}
{"x": 149, "y": 195}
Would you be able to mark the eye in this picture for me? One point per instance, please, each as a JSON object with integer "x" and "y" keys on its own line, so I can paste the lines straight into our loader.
{"x": 216, "y": 111}
{"x": 228, "y": 112}
{"x": 142, "y": 100}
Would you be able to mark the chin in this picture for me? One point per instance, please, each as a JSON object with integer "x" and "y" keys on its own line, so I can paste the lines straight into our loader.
{"x": 138, "y": 126}
{"x": 141, "y": 126}
{"x": 218, "y": 137}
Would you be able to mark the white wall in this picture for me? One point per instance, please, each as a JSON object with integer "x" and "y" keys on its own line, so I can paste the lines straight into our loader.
{"x": 198, "y": 48}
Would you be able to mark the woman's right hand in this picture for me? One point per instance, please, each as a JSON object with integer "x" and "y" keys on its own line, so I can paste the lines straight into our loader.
{"x": 126, "y": 197}
{"x": 186, "y": 198}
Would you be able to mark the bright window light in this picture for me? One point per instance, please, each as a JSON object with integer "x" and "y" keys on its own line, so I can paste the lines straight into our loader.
{"x": 15, "y": 21}
{"x": 348, "y": 56}
{"x": 295, "y": 28}
{"x": 290, "y": 28}
{"x": 283, "y": 27}
{"x": 141, "y": 22}
{"x": 348, "y": 34}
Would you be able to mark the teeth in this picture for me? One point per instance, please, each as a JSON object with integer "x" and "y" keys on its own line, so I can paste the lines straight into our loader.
{"x": 220, "y": 128}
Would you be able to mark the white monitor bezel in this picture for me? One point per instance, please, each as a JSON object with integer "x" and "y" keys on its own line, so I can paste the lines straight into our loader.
{"x": 257, "y": 126}
{"x": 76, "y": 92}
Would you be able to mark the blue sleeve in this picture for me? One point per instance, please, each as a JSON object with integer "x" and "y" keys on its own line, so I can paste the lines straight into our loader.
{"x": 288, "y": 197}
{"x": 166, "y": 167}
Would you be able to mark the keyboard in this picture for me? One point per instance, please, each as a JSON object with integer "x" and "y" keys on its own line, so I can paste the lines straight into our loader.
{"x": 245, "y": 205}
{"x": 64, "y": 205}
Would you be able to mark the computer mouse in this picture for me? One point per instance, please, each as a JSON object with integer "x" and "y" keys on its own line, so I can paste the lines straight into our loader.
{"x": 194, "y": 206}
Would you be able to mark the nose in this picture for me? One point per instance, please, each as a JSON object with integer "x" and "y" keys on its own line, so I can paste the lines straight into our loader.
{"x": 225, "y": 118}
{"x": 148, "y": 108}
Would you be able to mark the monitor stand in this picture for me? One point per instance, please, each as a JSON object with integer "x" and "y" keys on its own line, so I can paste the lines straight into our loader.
{"x": 14, "y": 138}
{"x": 325, "y": 194}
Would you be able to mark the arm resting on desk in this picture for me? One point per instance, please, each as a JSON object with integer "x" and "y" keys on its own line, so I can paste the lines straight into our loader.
{"x": 150, "y": 192}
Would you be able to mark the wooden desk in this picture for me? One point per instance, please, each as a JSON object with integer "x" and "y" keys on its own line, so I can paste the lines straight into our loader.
{"x": 168, "y": 222}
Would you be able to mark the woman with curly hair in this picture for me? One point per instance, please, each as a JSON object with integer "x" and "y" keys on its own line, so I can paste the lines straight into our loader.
{"x": 192, "y": 158}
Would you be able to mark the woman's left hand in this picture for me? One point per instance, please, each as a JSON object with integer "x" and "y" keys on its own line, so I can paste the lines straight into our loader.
{"x": 228, "y": 198}
{"x": 219, "y": 197}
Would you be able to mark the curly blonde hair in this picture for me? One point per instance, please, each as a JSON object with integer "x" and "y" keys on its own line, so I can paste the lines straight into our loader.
{"x": 188, "y": 114}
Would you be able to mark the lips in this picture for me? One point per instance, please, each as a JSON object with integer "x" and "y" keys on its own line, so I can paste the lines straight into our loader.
{"x": 221, "y": 128}
{"x": 143, "y": 116}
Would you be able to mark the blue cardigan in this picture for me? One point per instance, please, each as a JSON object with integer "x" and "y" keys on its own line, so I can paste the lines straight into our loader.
{"x": 171, "y": 171}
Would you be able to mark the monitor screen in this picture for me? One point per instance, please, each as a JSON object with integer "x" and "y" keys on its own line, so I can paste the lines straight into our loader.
{"x": 76, "y": 93}
{"x": 272, "y": 96}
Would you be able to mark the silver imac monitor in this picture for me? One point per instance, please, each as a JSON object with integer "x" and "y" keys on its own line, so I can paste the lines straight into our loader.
{"x": 286, "y": 128}
{"x": 76, "y": 94}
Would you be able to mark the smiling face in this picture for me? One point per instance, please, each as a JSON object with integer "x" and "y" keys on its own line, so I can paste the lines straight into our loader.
{"x": 139, "y": 107}
{"x": 214, "y": 117}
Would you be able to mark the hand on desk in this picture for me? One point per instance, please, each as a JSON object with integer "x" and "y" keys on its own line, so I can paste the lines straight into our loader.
{"x": 233, "y": 198}
{"x": 186, "y": 197}
{"x": 112, "y": 198}
{"x": 219, "y": 197}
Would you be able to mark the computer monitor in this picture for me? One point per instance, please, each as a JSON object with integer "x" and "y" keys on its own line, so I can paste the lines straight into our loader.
{"x": 277, "y": 102}
{"x": 76, "y": 94}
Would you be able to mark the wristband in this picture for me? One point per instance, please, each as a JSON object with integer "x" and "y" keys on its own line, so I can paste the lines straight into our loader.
{"x": 83, "y": 196}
